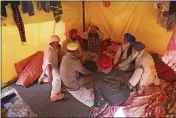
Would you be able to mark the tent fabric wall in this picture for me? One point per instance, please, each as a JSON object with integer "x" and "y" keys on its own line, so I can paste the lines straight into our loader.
{"x": 138, "y": 18}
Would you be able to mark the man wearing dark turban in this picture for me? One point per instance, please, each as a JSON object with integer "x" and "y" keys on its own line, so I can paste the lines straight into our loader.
{"x": 124, "y": 52}
{"x": 145, "y": 72}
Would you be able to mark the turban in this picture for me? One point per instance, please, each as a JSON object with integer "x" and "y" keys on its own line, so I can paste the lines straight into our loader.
{"x": 54, "y": 38}
{"x": 138, "y": 46}
{"x": 104, "y": 63}
{"x": 130, "y": 38}
{"x": 72, "y": 46}
{"x": 72, "y": 31}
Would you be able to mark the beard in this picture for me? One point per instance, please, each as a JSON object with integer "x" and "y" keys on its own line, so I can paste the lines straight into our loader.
{"x": 93, "y": 35}
{"x": 73, "y": 38}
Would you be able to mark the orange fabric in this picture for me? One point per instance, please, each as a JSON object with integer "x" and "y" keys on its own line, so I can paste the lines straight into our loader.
{"x": 20, "y": 66}
{"x": 32, "y": 71}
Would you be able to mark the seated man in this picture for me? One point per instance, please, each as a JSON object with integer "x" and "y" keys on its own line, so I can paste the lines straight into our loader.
{"x": 94, "y": 37}
{"x": 145, "y": 72}
{"x": 73, "y": 37}
{"x": 50, "y": 68}
{"x": 74, "y": 76}
{"x": 110, "y": 85}
{"x": 124, "y": 56}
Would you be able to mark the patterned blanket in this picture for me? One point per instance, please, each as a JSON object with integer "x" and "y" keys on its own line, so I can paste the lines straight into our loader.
{"x": 156, "y": 101}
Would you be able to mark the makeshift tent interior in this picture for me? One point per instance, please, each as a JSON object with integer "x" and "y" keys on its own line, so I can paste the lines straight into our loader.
{"x": 114, "y": 19}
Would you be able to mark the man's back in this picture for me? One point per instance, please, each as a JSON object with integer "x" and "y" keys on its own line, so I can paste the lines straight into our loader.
{"x": 112, "y": 86}
{"x": 70, "y": 68}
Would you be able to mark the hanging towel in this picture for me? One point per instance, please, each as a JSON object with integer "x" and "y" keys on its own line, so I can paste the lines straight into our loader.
{"x": 18, "y": 20}
{"x": 27, "y": 7}
{"x": 56, "y": 7}
{"x": 43, "y": 5}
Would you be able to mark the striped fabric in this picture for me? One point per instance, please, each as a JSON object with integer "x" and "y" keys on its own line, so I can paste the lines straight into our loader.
{"x": 38, "y": 99}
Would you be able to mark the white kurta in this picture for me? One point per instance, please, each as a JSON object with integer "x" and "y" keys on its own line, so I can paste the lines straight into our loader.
{"x": 145, "y": 72}
{"x": 51, "y": 57}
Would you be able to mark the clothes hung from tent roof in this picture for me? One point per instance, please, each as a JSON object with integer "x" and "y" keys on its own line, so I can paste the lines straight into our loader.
{"x": 172, "y": 16}
{"x": 167, "y": 14}
{"x": 163, "y": 12}
{"x": 3, "y": 9}
{"x": 18, "y": 19}
{"x": 56, "y": 7}
{"x": 45, "y": 5}
{"x": 172, "y": 8}
{"x": 27, "y": 7}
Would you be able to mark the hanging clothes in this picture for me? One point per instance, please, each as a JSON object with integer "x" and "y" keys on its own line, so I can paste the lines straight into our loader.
{"x": 172, "y": 8}
{"x": 3, "y": 9}
{"x": 27, "y": 7}
{"x": 56, "y": 7}
{"x": 172, "y": 16}
{"x": 166, "y": 14}
{"x": 163, "y": 8}
{"x": 43, "y": 5}
{"x": 18, "y": 19}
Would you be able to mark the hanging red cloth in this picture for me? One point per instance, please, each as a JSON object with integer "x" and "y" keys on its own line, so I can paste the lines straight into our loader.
{"x": 106, "y": 3}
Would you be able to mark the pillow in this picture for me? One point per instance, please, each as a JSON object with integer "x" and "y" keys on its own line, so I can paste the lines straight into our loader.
{"x": 32, "y": 71}
{"x": 165, "y": 72}
{"x": 20, "y": 66}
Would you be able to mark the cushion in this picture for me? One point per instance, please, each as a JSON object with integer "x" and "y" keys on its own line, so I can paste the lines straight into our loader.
{"x": 32, "y": 71}
{"x": 20, "y": 66}
{"x": 165, "y": 72}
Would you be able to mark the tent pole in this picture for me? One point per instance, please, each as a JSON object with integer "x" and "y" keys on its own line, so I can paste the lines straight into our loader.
{"x": 83, "y": 15}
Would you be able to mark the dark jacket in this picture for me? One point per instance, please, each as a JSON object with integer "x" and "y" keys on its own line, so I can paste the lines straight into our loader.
{"x": 110, "y": 87}
{"x": 27, "y": 7}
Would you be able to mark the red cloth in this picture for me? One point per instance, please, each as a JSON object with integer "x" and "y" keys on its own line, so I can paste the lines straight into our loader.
{"x": 165, "y": 72}
{"x": 20, "y": 66}
{"x": 106, "y": 3}
{"x": 32, "y": 71}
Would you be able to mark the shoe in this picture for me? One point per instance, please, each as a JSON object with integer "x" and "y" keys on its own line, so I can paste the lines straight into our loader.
{"x": 101, "y": 109}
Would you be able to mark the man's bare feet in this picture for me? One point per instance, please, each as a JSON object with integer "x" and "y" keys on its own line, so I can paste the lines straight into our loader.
{"x": 57, "y": 97}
